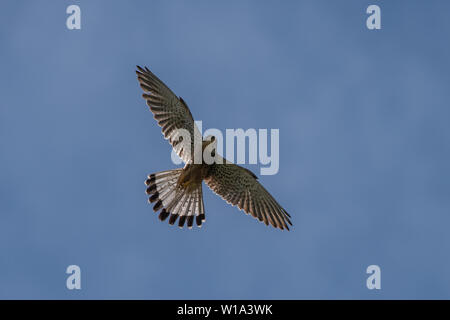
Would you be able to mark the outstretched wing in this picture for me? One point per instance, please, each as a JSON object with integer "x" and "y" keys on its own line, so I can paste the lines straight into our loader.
{"x": 171, "y": 113}
{"x": 238, "y": 186}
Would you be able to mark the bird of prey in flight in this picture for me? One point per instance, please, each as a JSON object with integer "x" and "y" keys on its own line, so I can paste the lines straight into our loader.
{"x": 178, "y": 192}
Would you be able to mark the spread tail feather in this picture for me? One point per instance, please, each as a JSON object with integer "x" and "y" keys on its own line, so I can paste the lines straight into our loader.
{"x": 174, "y": 200}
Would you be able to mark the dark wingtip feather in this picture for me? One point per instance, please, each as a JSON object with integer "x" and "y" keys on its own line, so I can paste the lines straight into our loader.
{"x": 154, "y": 197}
{"x": 288, "y": 220}
{"x": 151, "y": 179}
{"x": 173, "y": 218}
{"x": 157, "y": 206}
{"x": 190, "y": 221}
{"x": 163, "y": 215}
{"x": 151, "y": 189}
{"x": 181, "y": 221}
{"x": 198, "y": 220}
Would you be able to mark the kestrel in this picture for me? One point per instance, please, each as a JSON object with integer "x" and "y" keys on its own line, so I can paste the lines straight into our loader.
{"x": 178, "y": 192}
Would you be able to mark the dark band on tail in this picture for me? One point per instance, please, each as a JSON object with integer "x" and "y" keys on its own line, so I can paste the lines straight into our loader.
{"x": 174, "y": 201}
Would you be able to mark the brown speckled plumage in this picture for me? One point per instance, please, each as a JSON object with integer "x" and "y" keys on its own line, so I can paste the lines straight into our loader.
{"x": 178, "y": 192}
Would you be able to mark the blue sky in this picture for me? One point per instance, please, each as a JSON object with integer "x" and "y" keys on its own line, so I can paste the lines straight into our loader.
{"x": 364, "y": 148}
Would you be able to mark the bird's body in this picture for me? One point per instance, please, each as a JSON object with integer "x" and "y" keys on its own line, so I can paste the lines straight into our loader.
{"x": 193, "y": 175}
{"x": 178, "y": 192}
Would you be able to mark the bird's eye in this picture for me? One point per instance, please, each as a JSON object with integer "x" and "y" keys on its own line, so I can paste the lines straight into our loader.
{"x": 213, "y": 139}
{"x": 180, "y": 138}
